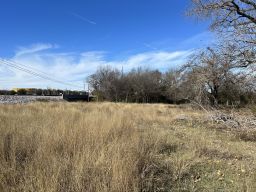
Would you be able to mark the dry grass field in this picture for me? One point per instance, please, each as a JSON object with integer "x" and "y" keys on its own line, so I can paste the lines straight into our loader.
{"x": 102, "y": 147}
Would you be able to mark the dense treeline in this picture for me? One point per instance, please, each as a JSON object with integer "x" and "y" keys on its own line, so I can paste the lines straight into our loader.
{"x": 139, "y": 85}
{"x": 181, "y": 85}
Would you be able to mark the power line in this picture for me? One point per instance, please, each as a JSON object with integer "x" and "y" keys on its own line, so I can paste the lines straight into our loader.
{"x": 10, "y": 64}
{"x": 27, "y": 66}
{"x": 31, "y": 72}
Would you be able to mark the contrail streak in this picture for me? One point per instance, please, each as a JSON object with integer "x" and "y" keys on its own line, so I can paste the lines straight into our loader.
{"x": 84, "y": 19}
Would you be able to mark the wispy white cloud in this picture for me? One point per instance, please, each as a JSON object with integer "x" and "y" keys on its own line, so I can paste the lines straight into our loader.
{"x": 74, "y": 68}
{"x": 196, "y": 41}
{"x": 157, "y": 59}
{"x": 150, "y": 46}
{"x": 83, "y": 18}
{"x": 34, "y": 48}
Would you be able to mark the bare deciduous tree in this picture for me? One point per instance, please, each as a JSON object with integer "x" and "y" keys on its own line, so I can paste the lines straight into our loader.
{"x": 218, "y": 69}
{"x": 105, "y": 82}
{"x": 233, "y": 17}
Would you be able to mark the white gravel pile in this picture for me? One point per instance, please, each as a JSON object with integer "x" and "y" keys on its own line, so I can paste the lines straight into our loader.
{"x": 15, "y": 99}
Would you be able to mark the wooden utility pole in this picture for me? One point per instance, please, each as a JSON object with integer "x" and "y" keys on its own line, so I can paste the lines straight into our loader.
{"x": 88, "y": 93}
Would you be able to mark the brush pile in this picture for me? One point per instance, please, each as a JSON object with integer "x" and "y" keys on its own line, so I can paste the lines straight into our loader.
{"x": 234, "y": 120}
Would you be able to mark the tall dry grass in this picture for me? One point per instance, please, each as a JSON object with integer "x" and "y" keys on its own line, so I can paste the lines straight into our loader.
{"x": 118, "y": 147}
{"x": 72, "y": 147}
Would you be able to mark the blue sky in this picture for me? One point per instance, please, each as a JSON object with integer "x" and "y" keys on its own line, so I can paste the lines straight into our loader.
{"x": 70, "y": 39}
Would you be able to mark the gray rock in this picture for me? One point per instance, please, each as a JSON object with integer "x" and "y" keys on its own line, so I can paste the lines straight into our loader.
{"x": 18, "y": 99}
